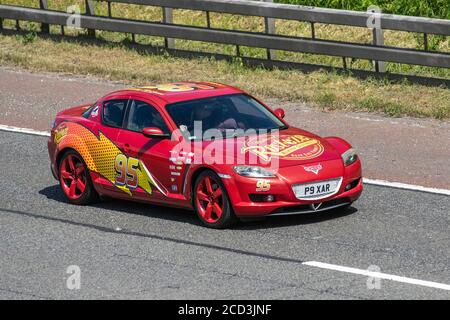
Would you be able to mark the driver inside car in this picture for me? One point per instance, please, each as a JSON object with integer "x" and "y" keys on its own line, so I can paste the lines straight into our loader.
{"x": 211, "y": 118}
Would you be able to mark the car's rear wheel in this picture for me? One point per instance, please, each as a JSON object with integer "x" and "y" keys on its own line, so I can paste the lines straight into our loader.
{"x": 211, "y": 201}
{"x": 75, "y": 180}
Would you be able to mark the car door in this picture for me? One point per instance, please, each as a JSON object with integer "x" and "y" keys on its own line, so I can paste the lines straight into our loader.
{"x": 152, "y": 152}
{"x": 112, "y": 113}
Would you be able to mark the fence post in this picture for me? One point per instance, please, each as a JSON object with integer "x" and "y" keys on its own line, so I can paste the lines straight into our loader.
{"x": 169, "y": 43}
{"x": 344, "y": 62}
{"x": 44, "y": 26}
{"x": 269, "y": 24}
{"x": 378, "y": 40}
{"x": 313, "y": 31}
{"x": 425, "y": 41}
{"x": 208, "y": 20}
{"x": 90, "y": 12}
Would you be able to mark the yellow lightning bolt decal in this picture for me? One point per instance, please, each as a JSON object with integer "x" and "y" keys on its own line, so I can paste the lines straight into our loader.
{"x": 99, "y": 154}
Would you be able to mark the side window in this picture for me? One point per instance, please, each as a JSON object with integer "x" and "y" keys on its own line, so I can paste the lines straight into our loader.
{"x": 113, "y": 112}
{"x": 142, "y": 115}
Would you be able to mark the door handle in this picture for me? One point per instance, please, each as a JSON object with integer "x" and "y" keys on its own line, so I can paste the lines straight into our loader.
{"x": 126, "y": 147}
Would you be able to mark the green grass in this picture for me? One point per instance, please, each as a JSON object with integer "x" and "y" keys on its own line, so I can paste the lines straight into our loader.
{"x": 321, "y": 89}
{"x": 285, "y": 27}
{"x": 324, "y": 90}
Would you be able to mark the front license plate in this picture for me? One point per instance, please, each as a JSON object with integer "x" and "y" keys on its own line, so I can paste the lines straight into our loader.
{"x": 317, "y": 190}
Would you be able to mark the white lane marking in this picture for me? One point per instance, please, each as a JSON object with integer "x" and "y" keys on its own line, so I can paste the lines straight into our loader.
{"x": 24, "y": 130}
{"x": 400, "y": 185}
{"x": 379, "y": 275}
{"x": 365, "y": 180}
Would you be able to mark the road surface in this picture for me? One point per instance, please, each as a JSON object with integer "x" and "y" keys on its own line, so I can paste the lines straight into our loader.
{"x": 129, "y": 250}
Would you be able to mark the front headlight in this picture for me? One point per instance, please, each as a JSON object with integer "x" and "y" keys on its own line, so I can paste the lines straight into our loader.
{"x": 349, "y": 157}
{"x": 253, "y": 172}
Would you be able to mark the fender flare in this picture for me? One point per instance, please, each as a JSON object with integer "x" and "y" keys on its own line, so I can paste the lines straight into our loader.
{"x": 339, "y": 144}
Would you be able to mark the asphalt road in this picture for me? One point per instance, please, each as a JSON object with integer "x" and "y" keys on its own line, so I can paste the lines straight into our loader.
{"x": 129, "y": 250}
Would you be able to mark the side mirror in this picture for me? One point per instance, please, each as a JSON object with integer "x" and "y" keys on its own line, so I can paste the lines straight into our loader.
{"x": 279, "y": 113}
{"x": 154, "y": 132}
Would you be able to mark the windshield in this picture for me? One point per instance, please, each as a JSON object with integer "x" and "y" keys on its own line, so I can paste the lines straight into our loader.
{"x": 231, "y": 115}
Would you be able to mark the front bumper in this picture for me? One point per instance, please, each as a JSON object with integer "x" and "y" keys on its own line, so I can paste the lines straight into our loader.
{"x": 241, "y": 190}
{"x": 250, "y": 209}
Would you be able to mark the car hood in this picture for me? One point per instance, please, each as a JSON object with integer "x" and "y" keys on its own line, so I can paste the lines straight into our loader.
{"x": 285, "y": 148}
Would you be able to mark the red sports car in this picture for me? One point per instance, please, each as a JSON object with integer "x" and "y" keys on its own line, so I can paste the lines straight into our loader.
{"x": 203, "y": 146}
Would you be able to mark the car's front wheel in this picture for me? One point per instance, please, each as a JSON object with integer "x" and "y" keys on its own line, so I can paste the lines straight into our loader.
{"x": 211, "y": 201}
{"x": 75, "y": 180}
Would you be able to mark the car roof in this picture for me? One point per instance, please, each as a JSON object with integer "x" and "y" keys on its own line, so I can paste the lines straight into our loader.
{"x": 178, "y": 91}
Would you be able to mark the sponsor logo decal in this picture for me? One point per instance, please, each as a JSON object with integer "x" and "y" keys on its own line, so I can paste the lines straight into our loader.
{"x": 314, "y": 169}
{"x": 60, "y": 133}
{"x": 295, "y": 147}
{"x": 175, "y": 87}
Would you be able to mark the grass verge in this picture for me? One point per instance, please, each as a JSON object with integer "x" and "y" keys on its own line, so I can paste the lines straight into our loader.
{"x": 256, "y": 24}
{"x": 115, "y": 61}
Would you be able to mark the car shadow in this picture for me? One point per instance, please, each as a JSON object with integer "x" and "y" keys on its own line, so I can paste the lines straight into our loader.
{"x": 137, "y": 208}
{"x": 188, "y": 216}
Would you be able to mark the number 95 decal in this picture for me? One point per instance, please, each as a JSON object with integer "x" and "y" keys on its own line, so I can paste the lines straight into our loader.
{"x": 262, "y": 185}
{"x": 126, "y": 171}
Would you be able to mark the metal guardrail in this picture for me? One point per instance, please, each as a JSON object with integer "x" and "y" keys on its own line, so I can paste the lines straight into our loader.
{"x": 303, "y": 13}
{"x": 269, "y": 40}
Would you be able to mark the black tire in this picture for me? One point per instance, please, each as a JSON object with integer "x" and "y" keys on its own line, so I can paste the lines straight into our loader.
{"x": 227, "y": 218}
{"x": 89, "y": 195}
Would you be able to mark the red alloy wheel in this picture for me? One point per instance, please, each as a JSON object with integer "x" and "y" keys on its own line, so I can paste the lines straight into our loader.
{"x": 209, "y": 197}
{"x": 73, "y": 176}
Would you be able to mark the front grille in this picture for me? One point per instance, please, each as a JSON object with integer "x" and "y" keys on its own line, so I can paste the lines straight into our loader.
{"x": 306, "y": 208}
{"x": 260, "y": 198}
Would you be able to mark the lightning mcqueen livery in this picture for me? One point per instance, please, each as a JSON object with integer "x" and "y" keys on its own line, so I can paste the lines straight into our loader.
{"x": 203, "y": 146}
